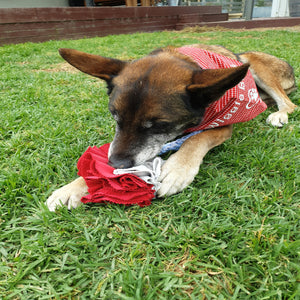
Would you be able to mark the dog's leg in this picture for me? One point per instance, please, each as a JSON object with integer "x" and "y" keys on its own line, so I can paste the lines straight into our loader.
{"x": 68, "y": 195}
{"x": 181, "y": 167}
{"x": 276, "y": 78}
{"x": 285, "y": 106}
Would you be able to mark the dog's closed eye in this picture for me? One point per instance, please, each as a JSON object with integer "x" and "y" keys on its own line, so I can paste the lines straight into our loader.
{"x": 154, "y": 126}
{"x": 115, "y": 115}
{"x": 109, "y": 87}
{"x": 147, "y": 124}
{"x": 158, "y": 126}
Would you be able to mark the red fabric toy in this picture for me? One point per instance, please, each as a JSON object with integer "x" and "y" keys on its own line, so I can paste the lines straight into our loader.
{"x": 105, "y": 186}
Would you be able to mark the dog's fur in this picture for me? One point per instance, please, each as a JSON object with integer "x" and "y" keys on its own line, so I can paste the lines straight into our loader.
{"x": 154, "y": 99}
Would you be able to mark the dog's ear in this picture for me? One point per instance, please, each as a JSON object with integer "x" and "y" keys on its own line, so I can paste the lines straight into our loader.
{"x": 211, "y": 84}
{"x": 98, "y": 66}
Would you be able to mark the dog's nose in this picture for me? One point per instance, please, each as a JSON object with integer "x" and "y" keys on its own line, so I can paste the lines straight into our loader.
{"x": 120, "y": 163}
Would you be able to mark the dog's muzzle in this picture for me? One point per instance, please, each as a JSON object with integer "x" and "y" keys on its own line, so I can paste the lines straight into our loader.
{"x": 120, "y": 163}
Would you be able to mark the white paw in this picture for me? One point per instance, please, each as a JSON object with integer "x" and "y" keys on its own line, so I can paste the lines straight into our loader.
{"x": 68, "y": 195}
{"x": 278, "y": 118}
{"x": 176, "y": 175}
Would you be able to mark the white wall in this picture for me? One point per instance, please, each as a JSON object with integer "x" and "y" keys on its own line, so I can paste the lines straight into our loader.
{"x": 32, "y": 3}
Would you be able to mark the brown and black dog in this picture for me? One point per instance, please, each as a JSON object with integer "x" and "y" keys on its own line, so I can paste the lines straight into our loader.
{"x": 156, "y": 98}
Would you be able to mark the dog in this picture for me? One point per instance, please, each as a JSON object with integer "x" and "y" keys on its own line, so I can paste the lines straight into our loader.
{"x": 158, "y": 97}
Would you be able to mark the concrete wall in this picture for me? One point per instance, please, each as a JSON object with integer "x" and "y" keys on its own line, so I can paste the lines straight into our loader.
{"x": 32, "y": 3}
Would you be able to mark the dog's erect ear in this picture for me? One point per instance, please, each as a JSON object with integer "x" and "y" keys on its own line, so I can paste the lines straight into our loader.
{"x": 211, "y": 84}
{"x": 98, "y": 66}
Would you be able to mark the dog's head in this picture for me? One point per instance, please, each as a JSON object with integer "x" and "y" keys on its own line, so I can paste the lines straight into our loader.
{"x": 153, "y": 99}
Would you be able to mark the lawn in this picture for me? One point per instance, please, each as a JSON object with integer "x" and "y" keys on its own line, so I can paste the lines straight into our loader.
{"x": 233, "y": 234}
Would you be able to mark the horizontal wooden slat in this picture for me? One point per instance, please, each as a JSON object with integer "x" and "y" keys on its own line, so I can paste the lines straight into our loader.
{"x": 43, "y": 24}
{"x": 96, "y": 26}
{"x": 32, "y": 15}
{"x": 255, "y": 23}
{"x": 195, "y": 19}
{"x": 72, "y": 27}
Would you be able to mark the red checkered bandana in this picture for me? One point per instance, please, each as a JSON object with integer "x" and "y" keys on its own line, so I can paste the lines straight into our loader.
{"x": 239, "y": 104}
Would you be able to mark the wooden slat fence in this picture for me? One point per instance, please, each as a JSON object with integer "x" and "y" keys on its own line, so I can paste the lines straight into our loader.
{"x": 43, "y": 24}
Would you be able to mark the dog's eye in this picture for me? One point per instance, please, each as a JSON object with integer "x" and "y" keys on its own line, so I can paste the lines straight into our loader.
{"x": 109, "y": 87}
{"x": 160, "y": 127}
{"x": 116, "y": 117}
{"x": 118, "y": 121}
{"x": 147, "y": 124}
{"x": 114, "y": 113}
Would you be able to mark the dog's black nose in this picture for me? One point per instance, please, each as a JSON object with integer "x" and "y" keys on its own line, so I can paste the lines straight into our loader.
{"x": 120, "y": 163}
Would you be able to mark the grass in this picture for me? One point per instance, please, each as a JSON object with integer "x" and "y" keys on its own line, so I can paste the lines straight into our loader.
{"x": 233, "y": 234}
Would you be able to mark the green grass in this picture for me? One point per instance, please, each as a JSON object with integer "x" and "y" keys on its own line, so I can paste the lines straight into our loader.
{"x": 233, "y": 234}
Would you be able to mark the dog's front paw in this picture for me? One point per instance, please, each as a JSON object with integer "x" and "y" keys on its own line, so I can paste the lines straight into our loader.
{"x": 176, "y": 174}
{"x": 278, "y": 119}
{"x": 68, "y": 195}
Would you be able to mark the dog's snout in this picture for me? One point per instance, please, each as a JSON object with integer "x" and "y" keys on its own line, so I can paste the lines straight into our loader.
{"x": 120, "y": 163}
